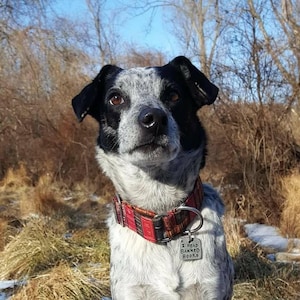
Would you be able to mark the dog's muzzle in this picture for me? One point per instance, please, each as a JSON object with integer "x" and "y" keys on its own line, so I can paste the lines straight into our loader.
{"x": 154, "y": 139}
{"x": 153, "y": 121}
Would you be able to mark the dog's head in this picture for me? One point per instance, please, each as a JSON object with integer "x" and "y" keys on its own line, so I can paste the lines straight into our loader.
{"x": 148, "y": 115}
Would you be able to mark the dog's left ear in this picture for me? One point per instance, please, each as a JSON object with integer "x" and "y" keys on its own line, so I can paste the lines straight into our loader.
{"x": 203, "y": 91}
{"x": 88, "y": 100}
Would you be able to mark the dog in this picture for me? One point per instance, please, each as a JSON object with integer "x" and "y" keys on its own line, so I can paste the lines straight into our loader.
{"x": 165, "y": 230}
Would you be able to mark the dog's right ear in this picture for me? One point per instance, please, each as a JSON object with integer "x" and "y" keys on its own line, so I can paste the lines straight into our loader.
{"x": 88, "y": 100}
{"x": 203, "y": 91}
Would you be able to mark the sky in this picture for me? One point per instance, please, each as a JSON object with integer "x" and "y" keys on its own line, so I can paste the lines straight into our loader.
{"x": 134, "y": 29}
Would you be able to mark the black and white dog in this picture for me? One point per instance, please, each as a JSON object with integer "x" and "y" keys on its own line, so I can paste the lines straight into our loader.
{"x": 166, "y": 236}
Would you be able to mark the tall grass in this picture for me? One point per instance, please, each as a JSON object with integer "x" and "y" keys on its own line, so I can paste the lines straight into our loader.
{"x": 252, "y": 146}
{"x": 290, "y": 217}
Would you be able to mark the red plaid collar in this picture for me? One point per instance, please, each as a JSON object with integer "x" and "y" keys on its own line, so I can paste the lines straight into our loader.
{"x": 160, "y": 228}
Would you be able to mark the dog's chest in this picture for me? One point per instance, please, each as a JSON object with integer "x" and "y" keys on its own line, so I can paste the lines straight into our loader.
{"x": 141, "y": 262}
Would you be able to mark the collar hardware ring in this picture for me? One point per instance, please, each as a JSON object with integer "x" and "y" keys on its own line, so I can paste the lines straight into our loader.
{"x": 195, "y": 211}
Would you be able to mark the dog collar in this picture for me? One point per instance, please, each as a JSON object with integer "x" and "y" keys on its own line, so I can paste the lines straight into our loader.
{"x": 161, "y": 228}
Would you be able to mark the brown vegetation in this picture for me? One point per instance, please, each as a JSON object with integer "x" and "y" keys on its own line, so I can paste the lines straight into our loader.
{"x": 253, "y": 148}
{"x": 54, "y": 238}
{"x": 290, "y": 217}
{"x": 63, "y": 282}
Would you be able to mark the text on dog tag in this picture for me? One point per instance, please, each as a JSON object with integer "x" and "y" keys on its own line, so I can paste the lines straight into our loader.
{"x": 190, "y": 248}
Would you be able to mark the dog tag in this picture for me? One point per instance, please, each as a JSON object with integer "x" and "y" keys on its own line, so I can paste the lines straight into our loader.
{"x": 190, "y": 248}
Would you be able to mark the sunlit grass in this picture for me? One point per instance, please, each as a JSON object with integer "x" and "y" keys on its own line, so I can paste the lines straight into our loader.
{"x": 290, "y": 218}
{"x": 62, "y": 282}
{"x": 58, "y": 244}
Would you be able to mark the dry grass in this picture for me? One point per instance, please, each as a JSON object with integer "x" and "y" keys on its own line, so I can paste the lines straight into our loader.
{"x": 77, "y": 266}
{"x": 35, "y": 216}
{"x": 45, "y": 198}
{"x": 295, "y": 125}
{"x": 255, "y": 276}
{"x": 290, "y": 218}
{"x": 233, "y": 234}
{"x": 15, "y": 178}
{"x": 34, "y": 250}
{"x": 63, "y": 282}
{"x": 251, "y": 147}
{"x": 272, "y": 282}
{"x": 57, "y": 267}
{"x": 20, "y": 199}
{"x": 3, "y": 230}
{"x": 13, "y": 187}
{"x": 59, "y": 246}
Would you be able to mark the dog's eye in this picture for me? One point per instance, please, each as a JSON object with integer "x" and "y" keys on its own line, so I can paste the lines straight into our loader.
{"x": 116, "y": 100}
{"x": 174, "y": 97}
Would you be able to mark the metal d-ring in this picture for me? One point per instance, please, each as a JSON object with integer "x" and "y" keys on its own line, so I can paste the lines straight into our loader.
{"x": 195, "y": 211}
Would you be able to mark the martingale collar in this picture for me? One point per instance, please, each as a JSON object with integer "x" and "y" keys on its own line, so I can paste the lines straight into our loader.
{"x": 161, "y": 228}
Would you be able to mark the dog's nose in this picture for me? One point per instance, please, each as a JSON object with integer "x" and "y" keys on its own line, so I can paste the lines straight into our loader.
{"x": 153, "y": 119}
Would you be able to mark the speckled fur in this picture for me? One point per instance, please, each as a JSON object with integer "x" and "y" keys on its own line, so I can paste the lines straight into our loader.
{"x": 158, "y": 180}
{"x": 143, "y": 270}
{"x": 143, "y": 88}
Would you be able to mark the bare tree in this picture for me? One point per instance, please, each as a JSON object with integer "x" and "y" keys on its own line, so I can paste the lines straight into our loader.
{"x": 247, "y": 71}
{"x": 197, "y": 24}
{"x": 282, "y": 44}
{"x": 104, "y": 31}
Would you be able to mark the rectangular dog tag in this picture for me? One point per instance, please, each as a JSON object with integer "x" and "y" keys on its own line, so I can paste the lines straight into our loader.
{"x": 190, "y": 248}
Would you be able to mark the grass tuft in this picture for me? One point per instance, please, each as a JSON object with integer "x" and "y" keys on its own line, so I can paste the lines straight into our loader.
{"x": 15, "y": 178}
{"x": 63, "y": 282}
{"x": 35, "y": 249}
{"x": 46, "y": 198}
{"x": 260, "y": 279}
{"x": 290, "y": 217}
{"x": 234, "y": 238}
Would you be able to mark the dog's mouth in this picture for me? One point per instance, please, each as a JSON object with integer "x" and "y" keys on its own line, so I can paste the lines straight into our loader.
{"x": 152, "y": 152}
{"x": 149, "y": 146}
